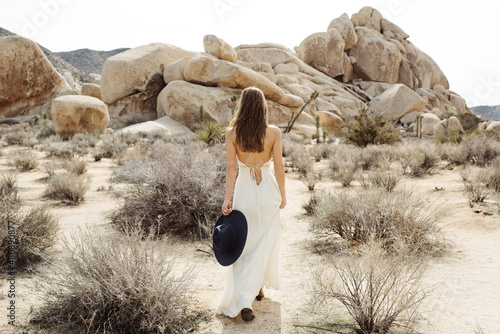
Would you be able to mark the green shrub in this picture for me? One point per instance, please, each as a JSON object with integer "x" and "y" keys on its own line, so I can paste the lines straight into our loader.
{"x": 365, "y": 129}
{"x": 469, "y": 121}
{"x": 211, "y": 133}
{"x": 116, "y": 284}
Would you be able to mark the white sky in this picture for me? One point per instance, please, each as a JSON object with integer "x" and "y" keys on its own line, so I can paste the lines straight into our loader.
{"x": 461, "y": 36}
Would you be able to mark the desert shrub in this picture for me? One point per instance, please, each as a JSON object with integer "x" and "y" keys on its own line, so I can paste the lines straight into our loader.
{"x": 321, "y": 151}
{"x": 395, "y": 219}
{"x": 45, "y": 129}
{"x": 76, "y": 166}
{"x": 68, "y": 187}
{"x": 469, "y": 121}
{"x": 311, "y": 179}
{"x": 178, "y": 189}
{"x": 51, "y": 167}
{"x": 386, "y": 179}
{"x": 475, "y": 189}
{"x": 111, "y": 146}
{"x": 115, "y": 284}
{"x": 310, "y": 205}
{"x": 480, "y": 150}
{"x": 302, "y": 162}
{"x": 22, "y": 159}
{"x": 418, "y": 159}
{"x": 85, "y": 141}
{"x": 366, "y": 129}
{"x": 211, "y": 133}
{"x": 492, "y": 176}
{"x": 35, "y": 233}
{"x": 62, "y": 149}
{"x": 378, "y": 291}
{"x": 346, "y": 172}
{"x": 373, "y": 156}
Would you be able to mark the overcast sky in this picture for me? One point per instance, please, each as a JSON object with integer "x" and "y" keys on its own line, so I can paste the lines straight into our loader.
{"x": 461, "y": 36}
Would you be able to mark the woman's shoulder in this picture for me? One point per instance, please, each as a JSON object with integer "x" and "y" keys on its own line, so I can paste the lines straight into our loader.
{"x": 274, "y": 131}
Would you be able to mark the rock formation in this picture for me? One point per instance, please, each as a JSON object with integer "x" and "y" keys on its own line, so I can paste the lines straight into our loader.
{"x": 73, "y": 114}
{"x": 357, "y": 61}
{"x": 27, "y": 78}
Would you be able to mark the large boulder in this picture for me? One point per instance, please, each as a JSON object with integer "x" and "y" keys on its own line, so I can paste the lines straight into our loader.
{"x": 377, "y": 58}
{"x": 137, "y": 70}
{"x": 428, "y": 122}
{"x": 367, "y": 17}
{"x": 395, "y": 31}
{"x": 209, "y": 72}
{"x": 73, "y": 114}
{"x": 458, "y": 102}
{"x": 324, "y": 51}
{"x": 396, "y": 102}
{"x": 90, "y": 89}
{"x": 182, "y": 100}
{"x": 427, "y": 72}
{"x": 331, "y": 122}
{"x": 344, "y": 25}
{"x": 219, "y": 48}
{"x": 452, "y": 123}
{"x": 27, "y": 78}
{"x": 373, "y": 88}
{"x": 494, "y": 128}
{"x": 165, "y": 125}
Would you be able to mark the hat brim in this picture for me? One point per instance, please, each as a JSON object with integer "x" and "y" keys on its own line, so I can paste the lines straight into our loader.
{"x": 239, "y": 222}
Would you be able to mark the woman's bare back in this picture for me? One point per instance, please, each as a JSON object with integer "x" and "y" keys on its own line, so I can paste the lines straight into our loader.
{"x": 258, "y": 159}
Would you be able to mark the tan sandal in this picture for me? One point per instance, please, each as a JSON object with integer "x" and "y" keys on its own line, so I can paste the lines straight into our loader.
{"x": 247, "y": 314}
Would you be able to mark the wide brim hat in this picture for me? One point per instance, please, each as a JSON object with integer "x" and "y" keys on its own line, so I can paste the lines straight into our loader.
{"x": 229, "y": 237}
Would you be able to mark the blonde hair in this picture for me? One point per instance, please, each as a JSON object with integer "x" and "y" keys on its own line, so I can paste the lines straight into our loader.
{"x": 250, "y": 122}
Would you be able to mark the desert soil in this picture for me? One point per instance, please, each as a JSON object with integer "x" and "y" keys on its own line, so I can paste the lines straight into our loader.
{"x": 465, "y": 282}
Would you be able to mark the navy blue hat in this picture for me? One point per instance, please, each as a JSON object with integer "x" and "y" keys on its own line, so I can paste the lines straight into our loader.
{"x": 229, "y": 237}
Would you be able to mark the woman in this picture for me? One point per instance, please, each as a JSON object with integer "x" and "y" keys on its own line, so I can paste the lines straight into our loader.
{"x": 251, "y": 144}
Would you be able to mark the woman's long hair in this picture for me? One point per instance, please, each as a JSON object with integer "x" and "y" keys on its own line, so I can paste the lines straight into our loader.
{"x": 250, "y": 122}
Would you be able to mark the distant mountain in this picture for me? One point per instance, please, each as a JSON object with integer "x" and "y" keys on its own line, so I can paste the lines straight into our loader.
{"x": 89, "y": 61}
{"x": 487, "y": 113}
{"x": 80, "y": 62}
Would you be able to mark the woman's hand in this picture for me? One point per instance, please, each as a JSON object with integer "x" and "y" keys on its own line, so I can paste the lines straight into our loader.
{"x": 226, "y": 208}
{"x": 283, "y": 202}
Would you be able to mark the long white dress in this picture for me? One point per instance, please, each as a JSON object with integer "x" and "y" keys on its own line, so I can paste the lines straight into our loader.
{"x": 259, "y": 264}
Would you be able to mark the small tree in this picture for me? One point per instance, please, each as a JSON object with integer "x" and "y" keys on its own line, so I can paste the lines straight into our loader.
{"x": 364, "y": 130}
{"x": 314, "y": 96}
{"x": 318, "y": 124}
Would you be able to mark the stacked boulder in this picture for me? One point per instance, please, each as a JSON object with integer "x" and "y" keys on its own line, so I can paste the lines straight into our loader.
{"x": 357, "y": 61}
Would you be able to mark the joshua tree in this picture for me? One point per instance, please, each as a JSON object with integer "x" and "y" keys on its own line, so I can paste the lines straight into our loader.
{"x": 318, "y": 123}
{"x": 314, "y": 96}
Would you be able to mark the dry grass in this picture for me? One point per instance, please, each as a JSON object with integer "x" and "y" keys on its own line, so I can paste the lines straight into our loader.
{"x": 302, "y": 161}
{"x": 116, "y": 284}
{"x": 23, "y": 160}
{"x": 384, "y": 178}
{"x": 418, "y": 159}
{"x": 68, "y": 187}
{"x": 178, "y": 190}
{"x": 378, "y": 291}
{"x": 398, "y": 220}
{"x": 76, "y": 166}
{"x": 35, "y": 234}
{"x": 475, "y": 189}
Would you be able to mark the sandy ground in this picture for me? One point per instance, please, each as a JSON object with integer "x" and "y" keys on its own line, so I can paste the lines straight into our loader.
{"x": 466, "y": 281}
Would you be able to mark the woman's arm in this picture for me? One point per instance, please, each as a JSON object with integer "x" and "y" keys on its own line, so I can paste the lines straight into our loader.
{"x": 279, "y": 168}
{"x": 231, "y": 170}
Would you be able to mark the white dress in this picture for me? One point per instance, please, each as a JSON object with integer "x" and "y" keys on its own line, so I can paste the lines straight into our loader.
{"x": 259, "y": 264}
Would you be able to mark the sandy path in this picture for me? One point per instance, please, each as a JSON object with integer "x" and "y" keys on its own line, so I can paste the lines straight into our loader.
{"x": 466, "y": 281}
